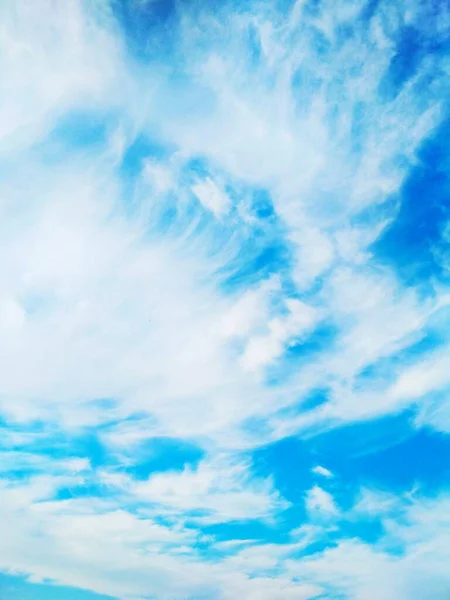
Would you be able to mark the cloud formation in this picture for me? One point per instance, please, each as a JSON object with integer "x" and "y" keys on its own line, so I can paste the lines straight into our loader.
{"x": 214, "y": 357}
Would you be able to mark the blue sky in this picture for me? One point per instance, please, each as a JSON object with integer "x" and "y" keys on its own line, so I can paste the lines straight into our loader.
{"x": 224, "y": 300}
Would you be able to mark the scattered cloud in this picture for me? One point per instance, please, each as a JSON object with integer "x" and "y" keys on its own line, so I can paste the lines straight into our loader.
{"x": 195, "y": 210}
{"x": 322, "y": 471}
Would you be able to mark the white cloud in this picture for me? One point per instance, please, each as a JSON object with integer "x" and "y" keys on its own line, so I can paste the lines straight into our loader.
{"x": 427, "y": 376}
{"x": 362, "y": 571}
{"x": 212, "y": 197}
{"x": 320, "y": 503}
{"x": 106, "y": 297}
{"x": 264, "y": 349}
{"x": 159, "y": 176}
{"x": 104, "y": 284}
{"x": 375, "y": 503}
{"x": 54, "y": 58}
{"x": 224, "y": 491}
{"x": 323, "y": 471}
{"x": 251, "y": 311}
{"x": 435, "y": 413}
{"x": 314, "y": 253}
{"x": 93, "y": 544}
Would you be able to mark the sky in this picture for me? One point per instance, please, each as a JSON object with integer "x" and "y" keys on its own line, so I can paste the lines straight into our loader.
{"x": 224, "y": 300}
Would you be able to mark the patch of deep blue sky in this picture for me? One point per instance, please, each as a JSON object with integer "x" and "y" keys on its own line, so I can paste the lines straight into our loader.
{"x": 390, "y": 453}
